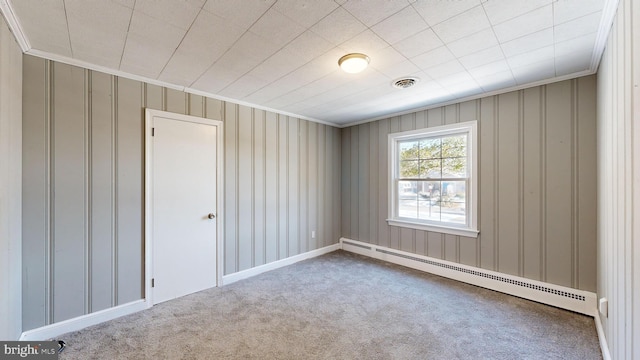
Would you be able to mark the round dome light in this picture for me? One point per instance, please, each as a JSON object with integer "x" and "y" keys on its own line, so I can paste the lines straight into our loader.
{"x": 353, "y": 63}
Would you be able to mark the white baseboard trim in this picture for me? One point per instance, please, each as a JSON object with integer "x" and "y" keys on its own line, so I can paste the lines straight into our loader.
{"x": 580, "y": 301}
{"x": 244, "y": 274}
{"x": 604, "y": 347}
{"x": 81, "y": 322}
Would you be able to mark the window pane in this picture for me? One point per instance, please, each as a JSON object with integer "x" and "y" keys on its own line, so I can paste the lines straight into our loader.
{"x": 454, "y": 146}
{"x": 430, "y": 168}
{"x": 428, "y": 210}
{"x": 407, "y": 190}
{"x": 429, "y": 206}
{"x": 408, "y": 208}
{"x": 409, "y": 169}
{"x": 430, "y": 148}
{"x": 453, "y": 202}
{"x": 454, "y": 167}
{"x": 409, "y": 150}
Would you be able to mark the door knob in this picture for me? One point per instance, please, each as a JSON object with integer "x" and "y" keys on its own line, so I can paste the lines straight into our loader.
{"x": 211, "y": 216}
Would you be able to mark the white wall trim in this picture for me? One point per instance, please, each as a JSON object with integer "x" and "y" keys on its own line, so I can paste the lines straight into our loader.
{"x": 81, "y": 322}
{"x": 606, "y": 21}
{"x": 516, "y": 286}
{"x": 244, "y": 274}
{"x": 14, "y": 25}
{"x": 148, "y": 186}
{"x": 604, "y": 347}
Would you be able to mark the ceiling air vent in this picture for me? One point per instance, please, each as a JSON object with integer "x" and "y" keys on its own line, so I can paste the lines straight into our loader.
{"x": 404, "y": 83}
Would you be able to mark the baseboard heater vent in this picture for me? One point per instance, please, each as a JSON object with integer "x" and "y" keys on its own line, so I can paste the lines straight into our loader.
{"x": 481, "y": 274}
{"x": 357, "y": 245}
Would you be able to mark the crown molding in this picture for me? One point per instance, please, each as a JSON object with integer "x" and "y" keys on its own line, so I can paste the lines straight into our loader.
{"x": 14, "y": 25}
{"x": 606, "y": 21}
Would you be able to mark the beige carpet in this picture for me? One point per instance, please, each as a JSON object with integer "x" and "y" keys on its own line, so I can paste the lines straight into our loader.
{"x": 342, "y": 306}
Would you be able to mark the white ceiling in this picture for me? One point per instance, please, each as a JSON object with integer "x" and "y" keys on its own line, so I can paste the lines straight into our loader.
{"x": 282, "y": 54}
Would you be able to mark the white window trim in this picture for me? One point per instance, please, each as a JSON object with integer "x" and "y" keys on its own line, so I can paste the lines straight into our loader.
{"x": 472, "y": 209}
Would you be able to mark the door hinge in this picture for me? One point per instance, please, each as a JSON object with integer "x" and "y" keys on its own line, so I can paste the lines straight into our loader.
{"x": 153, "y": 282}
{"x": 153, "y": 131}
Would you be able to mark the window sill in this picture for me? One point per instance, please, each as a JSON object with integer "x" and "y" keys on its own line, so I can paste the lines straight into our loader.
{"x": 472, "y": 233}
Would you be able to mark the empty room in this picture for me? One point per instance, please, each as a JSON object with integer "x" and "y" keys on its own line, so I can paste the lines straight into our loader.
{"x": 330, "y": 179}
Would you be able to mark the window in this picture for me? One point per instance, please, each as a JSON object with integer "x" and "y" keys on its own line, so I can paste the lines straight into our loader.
{"x": 433, "y": 179}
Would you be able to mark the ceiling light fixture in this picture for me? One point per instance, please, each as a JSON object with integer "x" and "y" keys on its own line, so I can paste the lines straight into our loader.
{"x": 353, "y": 63}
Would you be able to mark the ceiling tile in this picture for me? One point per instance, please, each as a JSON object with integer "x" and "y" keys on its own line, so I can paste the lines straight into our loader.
{"x": 473, "y": 43}
{"x": 400, "y": 26}
{"x": 445, "y": 69}
{"x": 339, "y": 26}
{"x": 371, "y": 12}
{"x": 482, "y": 57}
{"x": 177, "y": 13}
{"x": 534, "y": 72}
{"x": 278, "y": 65}
{"x": 465, "y": 24}
{"x": 437, "y": 11}
{"x": 305, "y": 12}
{"x": 242, "y": 87}
{"x": 366, "y": 42}
{"x": 461, "y": 77}
{"x": 418, "y": 44}
{"x": 308, "y": 46}
{"x": 579, "y": 44}
{"x": 525, "y": 24}
{"x": 385, "y": 57}
{"x": 499, "y": 11}
{"x": 98, "y": 31}
{"x": 433, "y": 58}
{"x": 402, "y": 69}
{"x": 196, "y": 52}
{"x": 564, "y": 11}
{"x": 241, "y": 13}
{"x": 490, "y": 69}
{"x": 531, "y": 57}
{"x": 150, "y": 44}
{"x": 45, "y": 24}
{"x": 578, "y": 27}
{"x": 528, "y": 43}
{"x": 496, "y": 81}
{"x": 277, "y": 28}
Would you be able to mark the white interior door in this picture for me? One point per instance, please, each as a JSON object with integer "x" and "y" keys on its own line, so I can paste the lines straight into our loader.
{"x": 183, "y": 207}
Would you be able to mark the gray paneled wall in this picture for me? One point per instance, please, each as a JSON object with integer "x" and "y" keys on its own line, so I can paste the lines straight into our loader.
{"x": 84, "y": 176}
{"x": 618, "y": 174}
{"x": 537, "y": 184}
{"x": 10, "y": 184}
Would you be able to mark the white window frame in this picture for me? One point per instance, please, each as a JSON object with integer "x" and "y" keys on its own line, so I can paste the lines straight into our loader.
{"x": 470, "y": 229}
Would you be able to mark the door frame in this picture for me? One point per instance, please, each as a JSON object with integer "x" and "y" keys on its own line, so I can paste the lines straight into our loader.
{"x": 148, "y": 196}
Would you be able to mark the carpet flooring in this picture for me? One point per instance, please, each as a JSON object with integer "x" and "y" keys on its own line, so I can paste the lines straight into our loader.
{"x": 342, "y": 306}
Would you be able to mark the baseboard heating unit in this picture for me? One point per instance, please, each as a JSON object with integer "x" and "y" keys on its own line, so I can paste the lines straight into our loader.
{"x": 580, "y": 301}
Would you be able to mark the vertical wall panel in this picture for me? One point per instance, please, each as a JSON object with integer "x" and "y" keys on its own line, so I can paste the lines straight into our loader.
{"x": 618, "y": 220}
{"x": 322, "y": 237}
{"x": 532, "y": 147}
{"x": 231, "y": 219}
{"x": 345, "y": 183}
{"x": 244, "y": 180}
{"x": 508, "y": 183}
{"x": 101, "y": 194}
{"x": 383, "y": 182}
{"x": 129, "y": 190}
{"x": 586, "y": 167}
{"x": 11, "y": 79}
{"x": 259, "y": 235}
{"x": 312, "y": 179}
{"x": 35, "y": 193}
{"x": 176, "y": 101}
{"x": 363, "y": 180}
{"x": 195, "y": 105}
{"x": 69, "y": 188}
{"x": 532, "y": 192}
{"x": 303, "y": 199}
{"x": 283, "y": 186}
{"x": 559, "y": 212}
{"x": 271, "y": 165}
{"x": 293, "y": 189}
